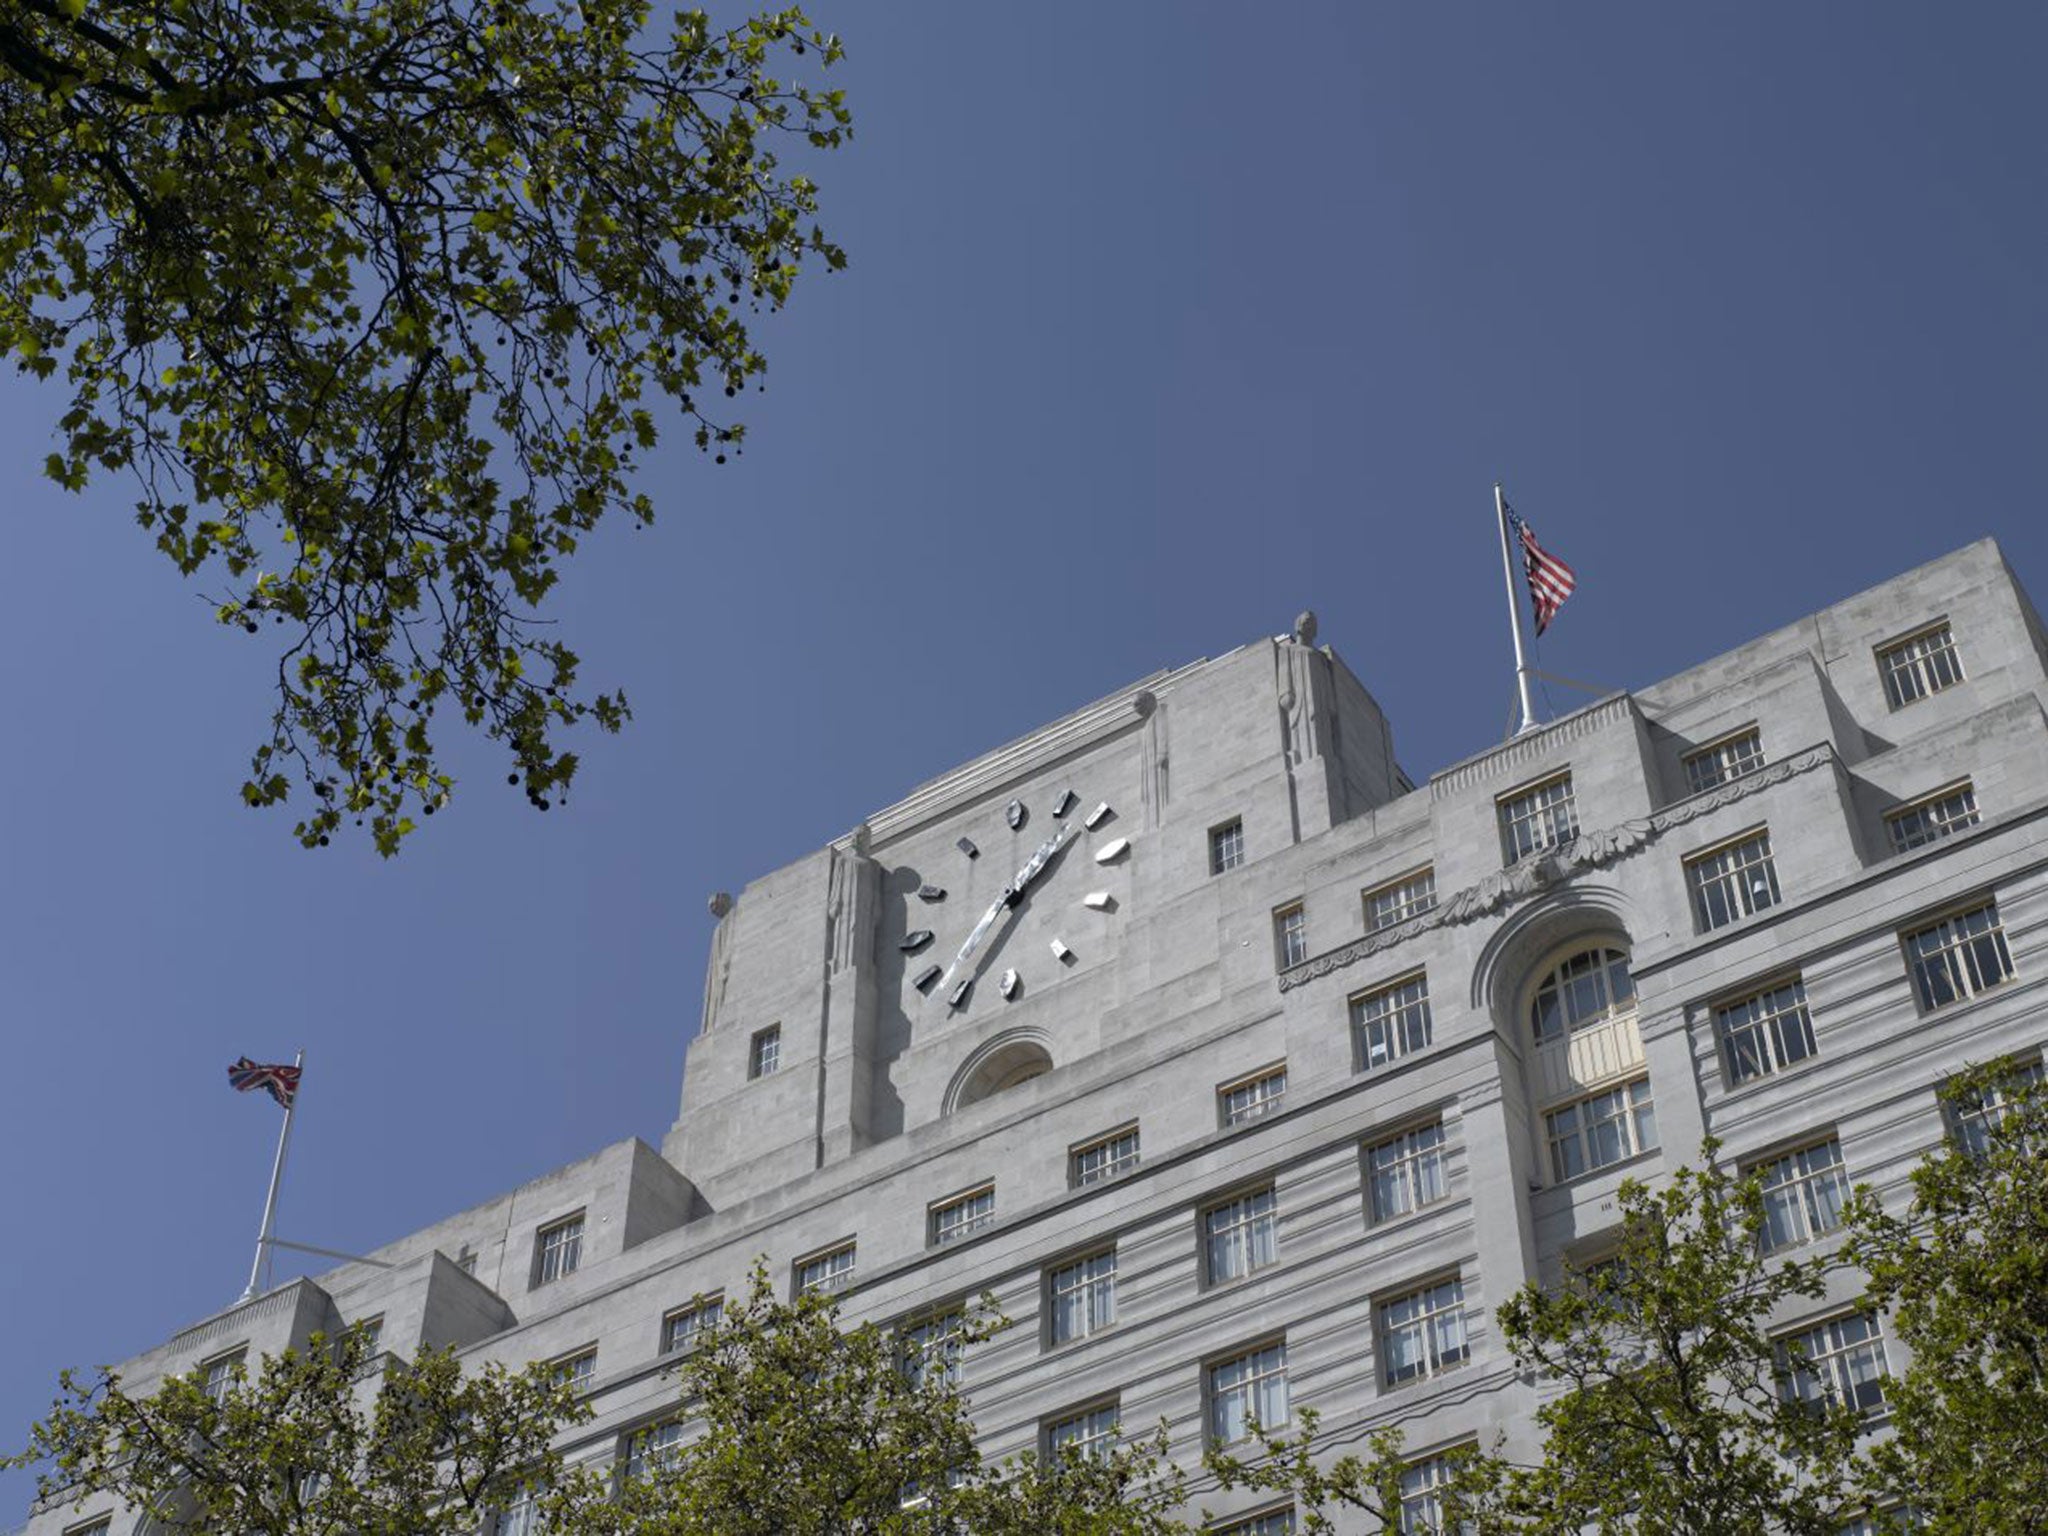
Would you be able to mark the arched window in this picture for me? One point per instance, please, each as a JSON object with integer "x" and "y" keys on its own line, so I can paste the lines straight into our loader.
{"x": 1014, "y": 1063}
{"x": 1589, "y": 986}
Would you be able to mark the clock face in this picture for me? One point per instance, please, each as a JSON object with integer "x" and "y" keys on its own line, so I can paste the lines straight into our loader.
{"x": 958, "y": 944}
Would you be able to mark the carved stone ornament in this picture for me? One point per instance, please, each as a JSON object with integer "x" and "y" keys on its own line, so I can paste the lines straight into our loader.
{"x": 1144, "y": 701}
{"x": 720, "y": 903}
{"x": 1305, "y": 627}
{"x": 1533, "y": 876}
{"x": 862, "y": 839}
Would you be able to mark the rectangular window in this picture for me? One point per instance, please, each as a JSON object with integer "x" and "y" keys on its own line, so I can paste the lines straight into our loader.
{"x": 1290, "y": 935}
{"x": 1239, "y": 1236}
{"x": 1733, "y": 881}
{"x": 522, "y": 1517}
{"x": 1270, "y": 1522}
{"x": 1601, "y": 1130}
{"x": 1226, "y": 847}
{"x": 1804, "y": 1192}
{"x": 1423, "y": 1333}
{"x": 957, "y": 1215}
{"x": 1106, "y": 1157}
{"x": 1406, "y": 1172}
{"x": 577, "y": 1371}
{"x": 682, "y": 1327}
{"x": 1091, "y": 1432}
{"x": 1839, "y": 1362}
{"x": 764, "y": 1052}
{"x": 1920, "y": 664}
{"x": 100, "y": 1527}
{"x": 558, "y": 1249}
{"x": 1958, "y": 957}
{"x": 653, "y": 1449}
{"x": 1972, "y": 1119}
{"x": 1398, "y": 900}
{"x": 1080, "y": 1297}
{"x": 1539, "y": 817}
{"x": 217, "y": 1376}
{"x": 1248, "y": 1387}
{"x": 931, "y": 1350}
{"x": 1932, "y": 817}
{"x": 1252, "y": 1097}
{"x": 1392, "y": 1021}
{"x": 1718, "y": 762}
{"x": 1765, "y": 1032}
{"x": 1423, "y": 1491}
{"x": 831, "y": 1270}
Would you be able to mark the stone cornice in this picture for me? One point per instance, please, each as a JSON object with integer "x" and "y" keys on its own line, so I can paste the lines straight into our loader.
{"x": 1532, "y": 877}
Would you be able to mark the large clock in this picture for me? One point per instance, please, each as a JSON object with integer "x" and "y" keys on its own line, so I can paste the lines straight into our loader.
{"x": 950, "y": 982}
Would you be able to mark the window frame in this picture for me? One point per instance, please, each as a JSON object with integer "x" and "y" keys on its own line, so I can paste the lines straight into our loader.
{"x": 764, "y": 1052}
{"x": 1793, "y": 1369}
{"x": 1506, "y": 817}
{"x": 1255, "y": 1523}
{"x": 1248, "y": 1356}
{"x": 1435, "y": 1363}
{"x": 833, "y": 1282}
{"x": 1697, "y": 881}
{"x": 1409, "y": 906}
{"x": 1403, "y": 1025}
{"x": 1259, "y": 1106}
{"x": 1554, "y": 981}
{"x": 562, "y": 1368}
{"x": 1241, "y": 1234}
{"x": 1919, "y": 970}
{"x": 1427, "y": 1499}
{"x": 1226, "y": 846}
{"x": 1089, "y": 1288}
{"x": 1114, "y": 1166}
{"x": 216, "y": 1387}
{"x": 1097, "y": 1445}
{"x": 1403, "y": 1165}
{"x": 545, "y": 1256}
{"x": 1727, "y": 766}
{"x": 1934, "y": 832}
{"x": 707, "y": 1310}
{"x": 1798, "y": 1190}
{"x": 934, "y": 1334}
{"x": 1919, "y": 665}
{"x": 1290, "y": 934}
{"x": 663, "y": 1438}
{"x": 1582, "y": 1128}
{"x": 1765, "y": 1028}
{"x": 941, "y": 1231}
{"x": 1969, "y": 1130}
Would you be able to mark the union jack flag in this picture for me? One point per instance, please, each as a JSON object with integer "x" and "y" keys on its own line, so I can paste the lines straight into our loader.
{"x": 280, "y": 1081}
{"x": 1550, "y": 579}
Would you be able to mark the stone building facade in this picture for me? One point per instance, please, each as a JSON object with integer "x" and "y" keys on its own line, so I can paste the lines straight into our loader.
{"x": 1281, "y": 1071}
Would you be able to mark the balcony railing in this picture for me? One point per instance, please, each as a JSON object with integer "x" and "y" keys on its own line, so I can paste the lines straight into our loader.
{"x": 1596, "y": 1053}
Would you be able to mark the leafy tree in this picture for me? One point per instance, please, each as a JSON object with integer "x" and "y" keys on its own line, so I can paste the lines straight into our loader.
{"x": 373, "y": 301}
{"x": 1966, "y": 1276}
{"x": 309, "y": 1446}
{"x": 797, "y": 1427}
{"x": 1670, "y": 1415}
{"x": 1674, "y": 1415}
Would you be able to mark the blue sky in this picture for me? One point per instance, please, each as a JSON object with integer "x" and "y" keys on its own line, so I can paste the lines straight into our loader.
{"x": 1163, "y": 322}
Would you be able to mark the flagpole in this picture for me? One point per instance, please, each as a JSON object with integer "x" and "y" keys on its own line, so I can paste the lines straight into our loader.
{"x": 284, "y": 1137}
{"x": 1507, "y": 570}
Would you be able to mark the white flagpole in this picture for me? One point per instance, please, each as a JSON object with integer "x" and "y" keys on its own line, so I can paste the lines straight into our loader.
{"x": 284, "y": 1137}
{"x": 1507, "y": 570}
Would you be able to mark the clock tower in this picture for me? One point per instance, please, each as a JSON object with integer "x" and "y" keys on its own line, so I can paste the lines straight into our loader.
{"x": 1014, "y": 918}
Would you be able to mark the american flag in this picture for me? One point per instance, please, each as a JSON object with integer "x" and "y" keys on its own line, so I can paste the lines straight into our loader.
{"x": 1550, "y": 579}
{"x": 280, "y": 1080}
